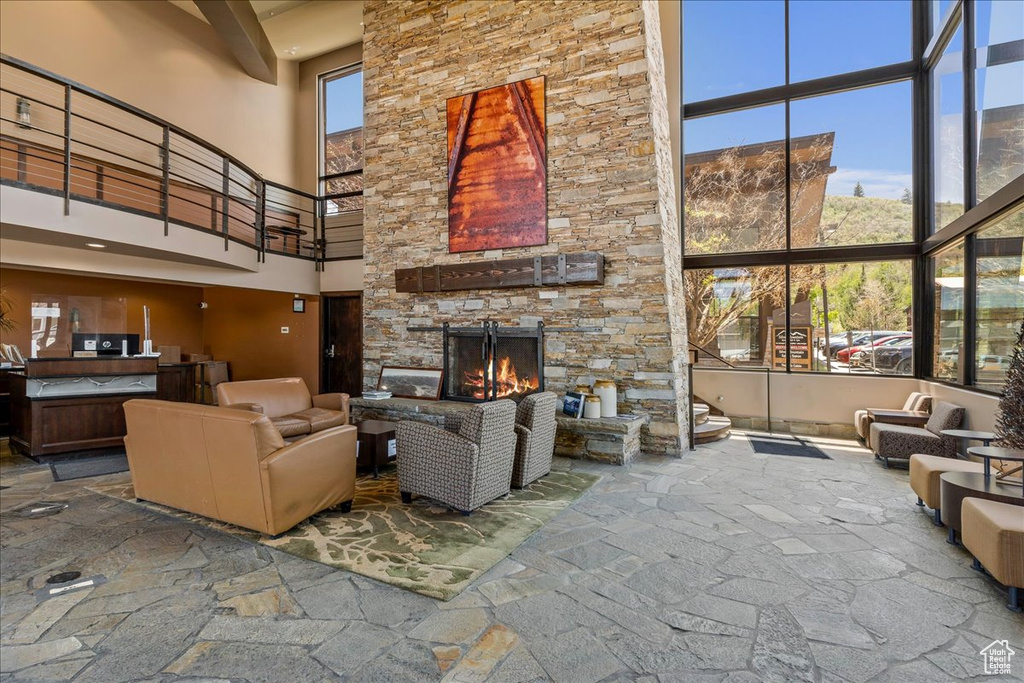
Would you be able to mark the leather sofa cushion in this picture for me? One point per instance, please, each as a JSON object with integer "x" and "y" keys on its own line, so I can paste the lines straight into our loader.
{"x": 279, "y": 397}
{"x": 291, "y": 426}
{"x": 320, "y": 418}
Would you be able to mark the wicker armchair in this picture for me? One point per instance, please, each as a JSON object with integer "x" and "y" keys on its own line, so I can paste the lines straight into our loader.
{"x": 463, "y": 470}
{"x": 899, "y": 442}
{"x": 535, "y": 438}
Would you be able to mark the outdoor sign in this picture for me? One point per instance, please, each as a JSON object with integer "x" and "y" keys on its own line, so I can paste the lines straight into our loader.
{"x": 799, "y": 348}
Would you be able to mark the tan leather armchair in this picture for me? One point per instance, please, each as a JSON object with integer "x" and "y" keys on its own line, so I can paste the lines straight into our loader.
{"x": 287, "y": 403}
{"x": 234, "y": 466}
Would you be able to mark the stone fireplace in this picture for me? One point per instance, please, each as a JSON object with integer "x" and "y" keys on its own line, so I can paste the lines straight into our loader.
{"x": 610, "y": 191}
{"x": 489, "y": 362}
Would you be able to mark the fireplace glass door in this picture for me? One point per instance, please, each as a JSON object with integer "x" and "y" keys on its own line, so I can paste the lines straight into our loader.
{"x": 488, "y": 362}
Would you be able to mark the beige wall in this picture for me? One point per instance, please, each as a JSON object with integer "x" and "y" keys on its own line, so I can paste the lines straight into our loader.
{"x": 672, "y": 44}
{"x": 307, "y": 112}
{"x": 828, "y": 398}
{"x": 166, "y": 62}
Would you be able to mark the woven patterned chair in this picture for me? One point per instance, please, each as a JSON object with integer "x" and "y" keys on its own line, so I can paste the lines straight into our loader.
{"x": 535, "y": 438}
{"x": 916, "y": 402}
{"x": 463, "y": 470}
{"x": 899, "y": 442}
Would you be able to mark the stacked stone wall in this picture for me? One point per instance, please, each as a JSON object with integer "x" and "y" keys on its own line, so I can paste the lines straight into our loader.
{"x": 610, "y": 189}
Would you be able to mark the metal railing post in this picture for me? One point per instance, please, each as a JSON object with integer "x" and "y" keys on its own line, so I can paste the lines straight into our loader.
{"x": 225, "y": 189}
{"x": 165, "y": 185}
{"x": 322, "y": 242}
{"x": 67, "y": 150}
{"x": 261, "y": 220}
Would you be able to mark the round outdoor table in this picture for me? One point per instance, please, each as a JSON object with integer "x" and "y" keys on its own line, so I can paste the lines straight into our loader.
{"x": 955, "y": 486}
{"x": 995, "y": 452}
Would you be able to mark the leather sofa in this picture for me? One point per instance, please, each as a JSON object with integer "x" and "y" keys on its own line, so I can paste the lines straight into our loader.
{"x": 234, "y": 466}
{"x": 287, "y": 403}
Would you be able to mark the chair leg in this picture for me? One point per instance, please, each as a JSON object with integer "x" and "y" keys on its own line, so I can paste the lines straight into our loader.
{"x": 406, "y": 497}
{"x": 466, "y": 513}
{"x": 346, "y": 506}
{"x": 1013, "y": 604}
{"x": 937, "y": 517}
{"x": 976, "y": 566}
{"x": 885, "y": 460}
{"x": 951, "y": 536}
{"x": 920, "y": 503}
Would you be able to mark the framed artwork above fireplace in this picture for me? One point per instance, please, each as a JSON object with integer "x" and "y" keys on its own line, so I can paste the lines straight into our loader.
{"x": 497, "y": 168}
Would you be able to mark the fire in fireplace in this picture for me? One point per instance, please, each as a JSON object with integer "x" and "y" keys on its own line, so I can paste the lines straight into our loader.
{"x": 491, "y": 362}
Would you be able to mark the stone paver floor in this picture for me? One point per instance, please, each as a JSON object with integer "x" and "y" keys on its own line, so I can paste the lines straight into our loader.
{"x": 724, "y": 565}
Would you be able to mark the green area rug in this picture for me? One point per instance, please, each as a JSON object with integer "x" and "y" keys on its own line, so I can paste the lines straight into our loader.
{"x": 423, "y": 547}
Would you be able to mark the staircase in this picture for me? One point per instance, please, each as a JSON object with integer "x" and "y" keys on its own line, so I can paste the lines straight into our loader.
{"x": 708, "y": 427}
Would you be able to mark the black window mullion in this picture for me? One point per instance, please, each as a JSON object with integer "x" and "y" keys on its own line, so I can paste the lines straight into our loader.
{"x": 970, "y": 169}
{"x": 970, "y": 309}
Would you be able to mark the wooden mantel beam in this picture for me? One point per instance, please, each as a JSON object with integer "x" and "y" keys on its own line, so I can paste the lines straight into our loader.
{"x": 583, "y": 268}
{"x": 239, "y": 27}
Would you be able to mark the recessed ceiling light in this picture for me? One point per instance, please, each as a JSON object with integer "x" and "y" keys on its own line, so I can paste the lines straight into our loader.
{"x": 94, "y": 245}
{"x": 292, "y": 50}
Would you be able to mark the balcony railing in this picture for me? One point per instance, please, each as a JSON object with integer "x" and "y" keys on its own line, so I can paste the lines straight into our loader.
{"x": 63, "y": 138}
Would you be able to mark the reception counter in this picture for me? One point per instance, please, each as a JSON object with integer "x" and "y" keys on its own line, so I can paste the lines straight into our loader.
{"x": 64, "y": 406}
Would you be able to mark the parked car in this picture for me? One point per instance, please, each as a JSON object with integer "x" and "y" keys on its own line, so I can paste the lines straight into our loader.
{"x": 844, "y": 355}
{"x": 839, "y": 342}
{"x": 863, "y": 355}
{"x": 896, "y": 359}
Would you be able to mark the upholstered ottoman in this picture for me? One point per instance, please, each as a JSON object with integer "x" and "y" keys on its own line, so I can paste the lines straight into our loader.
{"x": 924, "y": 477}
{"x": 994, "y": 533}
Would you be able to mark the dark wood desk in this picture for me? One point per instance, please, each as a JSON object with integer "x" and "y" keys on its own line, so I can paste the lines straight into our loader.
{"x": 176, "y": 382}
{"x": 63, "y": 406}
{"x": 376, "y": 444}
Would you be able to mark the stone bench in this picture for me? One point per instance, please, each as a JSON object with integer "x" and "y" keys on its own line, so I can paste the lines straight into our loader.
{"x": 608, "y": 440}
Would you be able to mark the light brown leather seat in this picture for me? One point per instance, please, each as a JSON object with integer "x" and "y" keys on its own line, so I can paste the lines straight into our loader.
{"x": 234, "y": 466}
{"x": 287, "y": 403}
{"x": 994, "y": 533}
{"x": 925, "y": 471}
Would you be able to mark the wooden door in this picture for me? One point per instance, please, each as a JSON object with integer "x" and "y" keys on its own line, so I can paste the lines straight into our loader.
{"x": 342, "y": 344}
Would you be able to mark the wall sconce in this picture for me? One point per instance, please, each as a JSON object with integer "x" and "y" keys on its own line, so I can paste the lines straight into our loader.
{"x": 24, "y": 113}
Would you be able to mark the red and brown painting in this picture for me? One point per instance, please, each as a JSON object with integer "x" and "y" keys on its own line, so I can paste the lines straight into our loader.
{"x": 497, "y": 168}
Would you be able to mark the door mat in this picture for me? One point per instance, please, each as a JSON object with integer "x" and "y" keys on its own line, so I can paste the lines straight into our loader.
{"x": 423, "y": 547}
{"x": 786, "y": 445}
{"x": 79, "y": 468}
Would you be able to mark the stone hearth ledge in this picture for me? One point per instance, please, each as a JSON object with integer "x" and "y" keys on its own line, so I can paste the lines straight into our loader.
{"x": 608, "y": 440}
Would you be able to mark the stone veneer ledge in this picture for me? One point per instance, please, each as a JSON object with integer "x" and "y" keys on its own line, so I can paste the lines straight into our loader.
{"x": 610, "y": 189}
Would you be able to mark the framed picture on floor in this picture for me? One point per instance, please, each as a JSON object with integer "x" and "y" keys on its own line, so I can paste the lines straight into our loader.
{"x": 423, "y": 383}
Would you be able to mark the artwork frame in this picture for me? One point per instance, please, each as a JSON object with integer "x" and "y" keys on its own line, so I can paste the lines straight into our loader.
{"x": 298, "y": 305}
{"x": 406, "y": 382}
{"x": 497, "y": 167}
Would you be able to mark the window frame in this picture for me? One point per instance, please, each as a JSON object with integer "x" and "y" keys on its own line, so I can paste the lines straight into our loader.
{"x": 322, "y": 80}
{"x": 927, "y": 48}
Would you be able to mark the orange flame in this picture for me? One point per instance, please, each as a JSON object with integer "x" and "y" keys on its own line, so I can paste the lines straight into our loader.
{"x": 508, "y": 382}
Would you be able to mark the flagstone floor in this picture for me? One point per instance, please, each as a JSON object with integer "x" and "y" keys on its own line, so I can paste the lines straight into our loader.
{"x": 724, "y": 565}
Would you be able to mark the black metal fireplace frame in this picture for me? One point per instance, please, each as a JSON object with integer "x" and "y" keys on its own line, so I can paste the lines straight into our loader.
{"x": 489, "y": 333}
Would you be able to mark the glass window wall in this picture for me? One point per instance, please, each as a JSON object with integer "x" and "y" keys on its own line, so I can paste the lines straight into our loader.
{"x": 948, "y": 133}
{"x": 999, "y": 249}
{"x": 851, "y": 179}
{"x": 948, "y": 313}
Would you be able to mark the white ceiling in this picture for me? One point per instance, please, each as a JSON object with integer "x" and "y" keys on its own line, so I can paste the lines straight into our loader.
{"x": 301, "y": 29}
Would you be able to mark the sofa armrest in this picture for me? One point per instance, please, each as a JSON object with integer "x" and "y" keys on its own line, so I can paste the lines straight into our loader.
{"x": 309, "y": 475}
{"x": 523, "y": 437}
{"x": 418, "y": 438}
{"x": 250, "y": 407}
{"x": 335, "y": 401}
{"x": 453, "y": 422}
